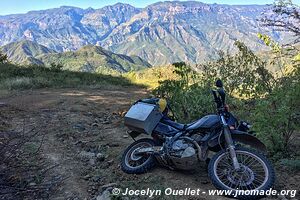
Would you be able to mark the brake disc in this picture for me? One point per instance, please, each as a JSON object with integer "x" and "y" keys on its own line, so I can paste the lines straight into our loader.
{"x": 242, "y": 177}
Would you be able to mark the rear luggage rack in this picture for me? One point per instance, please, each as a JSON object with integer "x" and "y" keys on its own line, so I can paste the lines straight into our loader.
{"x": 142, "y": 117}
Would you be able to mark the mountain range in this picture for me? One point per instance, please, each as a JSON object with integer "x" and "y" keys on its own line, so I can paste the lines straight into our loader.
{"x": 88, "y": 58}
{"x": 161, "y": 33}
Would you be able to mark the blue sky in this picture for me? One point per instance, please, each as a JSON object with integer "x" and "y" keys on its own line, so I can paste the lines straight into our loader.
{"x": 23, "y": 6}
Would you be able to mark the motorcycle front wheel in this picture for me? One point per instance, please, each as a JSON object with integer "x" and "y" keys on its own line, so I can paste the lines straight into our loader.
{"x": 132, "y": 163}
{"x": 255, "y": 174}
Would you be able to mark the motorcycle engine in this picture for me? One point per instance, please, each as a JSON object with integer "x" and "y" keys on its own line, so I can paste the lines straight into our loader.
{"x": 183, "y": 155}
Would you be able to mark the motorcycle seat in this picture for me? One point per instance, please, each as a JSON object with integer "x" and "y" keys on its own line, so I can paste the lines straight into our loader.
{"x": 176, "y": 125}
{"x": 205, "y": 122}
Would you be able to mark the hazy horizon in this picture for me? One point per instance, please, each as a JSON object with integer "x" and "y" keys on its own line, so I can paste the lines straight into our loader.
{"x": 15, "y": 7}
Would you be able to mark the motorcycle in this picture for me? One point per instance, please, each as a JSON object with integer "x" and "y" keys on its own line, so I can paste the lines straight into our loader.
{"x": 239, "y": 162}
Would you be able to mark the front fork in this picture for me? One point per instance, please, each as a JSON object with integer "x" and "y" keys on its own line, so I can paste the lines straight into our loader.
{"x": 230, "y": 144}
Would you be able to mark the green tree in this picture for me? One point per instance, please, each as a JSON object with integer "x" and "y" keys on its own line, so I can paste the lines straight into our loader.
{"x": 244, "y": 73}
{"x": 3, "y": 58}
{"x": 187, "y": 95}
{"x": 56, "y": 67}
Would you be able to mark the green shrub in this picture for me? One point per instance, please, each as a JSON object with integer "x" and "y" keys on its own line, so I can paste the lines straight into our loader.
{"x": 293, "y": 164}
{"x": 188, "y": 98}
{"x": 18, "y": 83}
{"x": 56, "y": 67}
{"x": 14, "y": 77}
{"x": 278, "y": 114}
{"x": 3, "y": 58}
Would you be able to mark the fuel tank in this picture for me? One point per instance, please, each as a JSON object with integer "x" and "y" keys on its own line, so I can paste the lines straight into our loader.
{"x": 206, "y": 122}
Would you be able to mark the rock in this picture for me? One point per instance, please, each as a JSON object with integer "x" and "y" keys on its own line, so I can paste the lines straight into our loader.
{"x": 79, "y": 126}
{"x": 104, "y": 196}
{"x": 92, "y": 161}
{"x": 205, "y": 182}
{"x": 95, "y": 124}
{"x": 108, "y": 186}
{"x": 113, "y": 144}
{"x": 96, "y": 178}
{"x": 110, "y": 161}
{"x": 45, "y": 110}
{"x": 125, "y": 136}
{"x": 100, "y": 157}
{"x": 106, "y": 122}
{"x": 2, "y": 104}
{"x": 85, "y": 154}
{"x": 32, "y": 184}
{"x": 87, "y": 177}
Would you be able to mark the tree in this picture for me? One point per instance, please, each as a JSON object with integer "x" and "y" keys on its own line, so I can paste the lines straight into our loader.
{"x": 56, "y": 67}
{"x": 279, "y": 112}
{"x": 244, "y": 73}
{"x": 284, "y": 16}
{"x": 3, "y": 58}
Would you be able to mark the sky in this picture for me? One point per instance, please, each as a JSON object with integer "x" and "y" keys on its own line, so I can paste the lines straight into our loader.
{"x": 23, "y": 6}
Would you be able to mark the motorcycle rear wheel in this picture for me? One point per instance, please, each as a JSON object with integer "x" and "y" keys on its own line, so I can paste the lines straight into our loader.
{"x": 256, "y": 173}
{"x": 138, "y": 164}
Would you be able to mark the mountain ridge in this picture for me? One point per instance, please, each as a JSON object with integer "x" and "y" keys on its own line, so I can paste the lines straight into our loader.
{"x": 25, "y": 52}
{"x": 88, "y": 58}
{"x": 161, "y": 33}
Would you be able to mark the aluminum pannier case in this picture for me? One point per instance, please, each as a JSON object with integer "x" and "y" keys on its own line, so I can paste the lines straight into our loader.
{"x": 142, "y": 117}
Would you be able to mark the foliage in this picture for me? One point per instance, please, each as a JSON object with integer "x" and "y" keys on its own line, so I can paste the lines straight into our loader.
{"x": 56, "y": 67}
{"x": 94, "y": 59}
{"x": 278, "y": 115}
{"x": 19, "y": 77}
{"x": 186, "y": 96}
{"x": 294, "y": 164}
{"x": 244, "y": 74}
{"x": 3, "y": 58}
{"x": 279, "y": 112}
{"x": 285, "y": 16}
{"x": 271, "y": 103}
{"x": 152, "y": 76}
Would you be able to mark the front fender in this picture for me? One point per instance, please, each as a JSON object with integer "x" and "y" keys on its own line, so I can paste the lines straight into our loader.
{"x": 248, "y": 139}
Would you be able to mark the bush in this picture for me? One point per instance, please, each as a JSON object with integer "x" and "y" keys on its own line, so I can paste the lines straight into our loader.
{"x": 278, "y": 114}
{"x": 189, "y": 98}
{"x": 293, "y": 164}
{"x": 18, "y": 83}
{"x": 56, "y": 67}
{"x": 3, "y": 58}
{"x": 14, "y": 77}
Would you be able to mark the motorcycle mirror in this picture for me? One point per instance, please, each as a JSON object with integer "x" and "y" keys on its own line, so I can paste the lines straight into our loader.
{"x": 219, "y": 83}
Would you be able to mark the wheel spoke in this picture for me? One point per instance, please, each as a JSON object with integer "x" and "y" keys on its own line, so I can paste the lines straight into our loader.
{"x": 251, "y": 175}
{"x": 137, "y": 160}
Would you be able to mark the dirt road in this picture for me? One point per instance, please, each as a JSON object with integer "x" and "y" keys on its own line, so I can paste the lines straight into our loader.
{"x": 85, "y": 137}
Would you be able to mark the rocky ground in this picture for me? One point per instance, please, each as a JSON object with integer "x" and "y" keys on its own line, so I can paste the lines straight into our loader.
{"x": 83, "y": 136}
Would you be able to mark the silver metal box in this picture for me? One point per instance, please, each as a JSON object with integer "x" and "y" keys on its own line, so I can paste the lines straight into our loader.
{"x": 142, "y": 117}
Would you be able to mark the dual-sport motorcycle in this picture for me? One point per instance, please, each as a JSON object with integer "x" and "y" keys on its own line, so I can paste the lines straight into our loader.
{"x": 238, "y": 163}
